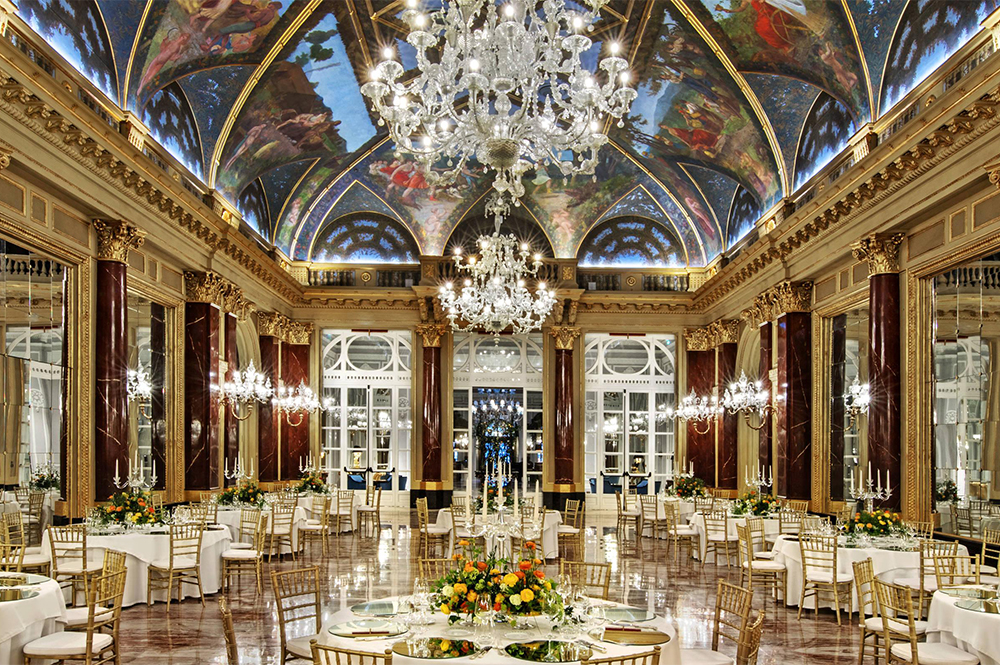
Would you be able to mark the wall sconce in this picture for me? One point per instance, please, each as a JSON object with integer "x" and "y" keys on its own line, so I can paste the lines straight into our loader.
{"x": 748, "y": 398}
{"x": 139, "y": 389}
{"x": 857, "y": 401}
{"x": 244, "y": 390}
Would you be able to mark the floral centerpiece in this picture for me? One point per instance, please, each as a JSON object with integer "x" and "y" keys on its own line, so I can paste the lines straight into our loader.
{"x": 244, "y": 494}
{"x": 128, "y": 508}
{"x": 44, "y": 479}
{"x": 312, "y": 482}
{"x": 755, "y": 503}
{"x": 946, "y": 491}
{"x": 875, "y": 523}
{"x": 688, "y": 487}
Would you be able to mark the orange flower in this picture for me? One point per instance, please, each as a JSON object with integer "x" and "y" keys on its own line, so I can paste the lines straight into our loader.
{"x": 530, "y": 544}
{"x": 538, "y": 562}
{"x": 539, "y": 574}
{"x": 520, "y": 575}
{"x": 469, "y": 567}
{"x": 524, "y": 565}
{"x": 463, "y": 543}
{"x": 456, "y": 557}
{"x": 481, "y": 566}
{"x": 496, "y": 607}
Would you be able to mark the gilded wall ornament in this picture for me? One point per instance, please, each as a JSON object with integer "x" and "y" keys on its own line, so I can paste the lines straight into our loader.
{"x": 992, "y": 170}
{"x": 115, "y": 238}
{"x": 697, "y": 339}
{"x": 298, "y": 333}
{"x": 761, "y": 311}
{"x": 431, "y": 333}
{"x": 271, "y": 324}
{"x": 235, "y": 302}
{"x": 880, "y": 250}
{"x": 791, "y": 297}
{"x": 5, "y": 156}
{"x": 724, "y": 331}
{"x": 565, "y": 337}
{"x": 204, "y": 287}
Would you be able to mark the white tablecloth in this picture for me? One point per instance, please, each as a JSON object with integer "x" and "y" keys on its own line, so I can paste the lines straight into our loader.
{"x": 973, "y": 632}
{"x": 22, "y": 621}
{"x": 889, "y": 565}
{"x": 771, "y": 527}
{"x": 550, "y": 531}
{"x": 685, "y": 508}
{"x": 670, "y": 653}
{"x": 143, "y": 549}
{"x": 230, "y": 517}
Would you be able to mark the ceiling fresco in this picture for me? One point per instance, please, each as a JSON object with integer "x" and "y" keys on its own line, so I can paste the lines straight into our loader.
{"x": 740, "y": 102}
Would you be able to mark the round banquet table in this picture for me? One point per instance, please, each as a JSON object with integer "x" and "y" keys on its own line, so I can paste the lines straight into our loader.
{"x": 771, "y": 527}
{"x": 670, "y": 653}
{"x": 230, "y": 517}
{"x": 973, "y": 632}
{"x": 550, "y": 531}
{"x": 142, "y": 549}
{"x": 889, "y": 565}
{"x": 22, "y": 621}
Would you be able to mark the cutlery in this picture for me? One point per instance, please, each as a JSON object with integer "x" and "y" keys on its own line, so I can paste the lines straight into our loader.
{"x": 479, "y": 655}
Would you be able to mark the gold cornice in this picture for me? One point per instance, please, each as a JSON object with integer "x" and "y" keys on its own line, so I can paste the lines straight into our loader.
{"x": 992, "y": 170}
{"x": 115, "y": 238}
{"x": 271, "y": 324}
{"x": 697, "y": 339}
{"x": 204, "y": 287}
{"x": 791, "y": 296}
{"x": 565, "y": 337}
{"x": 431, "y": 333}
{"x": 761, "y": 311}
{"x": 5, "y": 156}
{"x": 298, "y": 333}
{"x": 235, "y": 302}
{"x": 724, "y": 331}
{"x": 880, "y": 250}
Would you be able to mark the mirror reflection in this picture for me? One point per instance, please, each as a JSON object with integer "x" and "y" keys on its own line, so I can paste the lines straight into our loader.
{"x": 848, "y": 385}
{"x": 147, "y": 364}
{"x": 34, "y": 372}
{"x": 966, "y": 339}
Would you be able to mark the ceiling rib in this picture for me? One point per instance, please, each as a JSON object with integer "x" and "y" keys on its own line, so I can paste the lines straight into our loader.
{"x": 864, "y": 60}
{"x": 131, "y": 56}
{"x": 744, "y": 87}
{"x": 251, "y": 84}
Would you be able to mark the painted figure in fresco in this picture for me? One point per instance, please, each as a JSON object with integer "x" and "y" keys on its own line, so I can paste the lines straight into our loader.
{"x": 170, "y": 48}
{"x": 777, "y": 20}
{"x": 829, "y": 55}
{"x": 227, "y": 24}
{"x": 306, "y": 130}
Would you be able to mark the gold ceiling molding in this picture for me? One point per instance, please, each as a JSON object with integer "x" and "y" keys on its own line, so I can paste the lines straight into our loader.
{"x": 360, "y": 302}
{"x": 235, "y": 302}
{"x": 565, "y": 311}
{"x": 86, "y": 144}
{"x": 565, "y": 337}
{"x": 880, "y": 250}
{"x": 698, "y": 339}
{"x": 975, "y": 120}
{"x": 297, "y": 332}
{"x": 204, "y": 287}
{"x": 992, "y": 170}
{"x": 271, "y": 324}
{"x": 724, "y": 331}
{"x": 5, "y": 156}
{"x": 431, "y": 333}
{"x": 791, "y": 296}
{"x": 115, "y": 238}
{"x": 761, "y": 311}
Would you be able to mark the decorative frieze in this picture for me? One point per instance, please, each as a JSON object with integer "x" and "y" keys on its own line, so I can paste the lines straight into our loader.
{"x": 115, "y": 238}
{"x": 992, "y": 170}
{"x": 204, "y": 287}
{"x": 271, "y": 324}
{"x": 761, "y": 311}
{"x": 5, "y": 153}
{"x": 724, "y": 331}
{"x": 791, "y": 297}
{"x": 431, "y": 333}
{"x": 880, "y": 250}
{"x": 565, "y": 337}
{"x": 235, "y": 302}
{"x": 297, "y": 332}
{"x": 697, "y": 339}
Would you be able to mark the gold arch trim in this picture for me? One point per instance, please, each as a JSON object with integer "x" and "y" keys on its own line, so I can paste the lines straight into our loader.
{"x": 326, "y": 217}
{"x": 864, "y": 60}
{"x": 291, "y": 193}
{"x": 131, "y": 55}
{"x": 249, "y": 86}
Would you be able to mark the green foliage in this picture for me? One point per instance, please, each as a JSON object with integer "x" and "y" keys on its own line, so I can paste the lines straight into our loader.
{"x": 755, "y": 503}
{"x": 244, "y": 494}
{"x": 128, "y": 508}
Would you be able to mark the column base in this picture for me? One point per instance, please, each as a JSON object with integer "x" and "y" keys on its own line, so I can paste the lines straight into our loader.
{"x": 436, "y": 498}
{"x": 556, "y": 499}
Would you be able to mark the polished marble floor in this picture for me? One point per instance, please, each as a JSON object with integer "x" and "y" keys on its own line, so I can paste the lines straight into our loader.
{"x": 360, "y": 569}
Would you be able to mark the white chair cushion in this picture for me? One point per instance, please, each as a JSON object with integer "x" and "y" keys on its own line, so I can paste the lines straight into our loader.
{"x": 181, "y": 562}
{"x": 988, "y": 579}
{"x": 569, "y": 530}
{"x": 920, "y": 627}
{"x": 77, "y": 569}
{"x": 763, "y": 555}
{"x": 32, "y": 560}
{"x": 312, "y": 527}
{"x": 300, "y": 646}
{"x": 38, "y": 550}
{"x": 78, "y": 616}
{"x": 312, "y": 523}
{"x": 687, "y": 531}
{"x": 874, "y": 624}
{"x": 930, "y": 653}
{"x": 281, "y": 531}
{"x": 240, "y": 554}
{"x": 987, "y": 570}
{"x": 462, "y": 533}
{"x": 240, "y": 546}
{"x": 366, "y": 509}
{"x": 765, "y": 566}
{"x": 438, "y": 530}
{"x": 704, "y": 657}
{"x": 913, "y": 582}
{"x": 69, "y": 643}
{"x": 827, "y": 578}
{"x": 720, "y": 538}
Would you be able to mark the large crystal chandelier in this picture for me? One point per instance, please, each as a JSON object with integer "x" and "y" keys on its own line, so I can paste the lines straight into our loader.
{"x": 494, "y": 293}
{"x": 504, "y": 85}
{"x": 246, "y": 388}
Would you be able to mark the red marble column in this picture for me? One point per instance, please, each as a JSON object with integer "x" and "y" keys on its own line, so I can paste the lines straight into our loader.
{"x": 111, "y": 367}
{"x": 231, "y": 449}
{"x": 564, "y": 417}
{"x": 883, "y": 378}
{"x": 294, "y": 432}
{"x": 766, "y": 361}
{"x": 725, "y": 373}
{"x": 701, "y": 436}
{"x": 267, "y": 415}
{"x": 201, "y": 413}
{"x": 430, "y": 424}
{"x": 793, "y": 407}
{"x": 838, "y": 388}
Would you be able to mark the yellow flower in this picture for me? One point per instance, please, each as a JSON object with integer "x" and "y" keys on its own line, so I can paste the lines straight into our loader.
{"x": 510, "y": 579}
{"x": 460, "y": 588}
{"x": 445, "y": 645}
{"x": 445, "y": 608}
{"x": 527, "y": 595}
{"x": 495, "y": 571}
{"x": 472, "y": 596}
{"x": 499, "y": 598}
{"x": 548, "y": 585}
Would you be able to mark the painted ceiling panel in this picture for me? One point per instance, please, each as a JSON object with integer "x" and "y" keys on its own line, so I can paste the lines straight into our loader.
{"x": 825, "y": 133}
{"x": 875, "y": 21}
{"x": 278, "y": 185}
{"x": 359, "y": 199}
{"x": 745, "y": 212}
{"x": 171, "y": 122}
{"x": 631, "y": 241}
{"x": 717, "y": 189}
{"x": 786, "y": 102}
{"x": 253, "y": 204}
{"x": 122, "y": 20}
{"x": 369, "y": 238}
{"x": 210, "y": 94}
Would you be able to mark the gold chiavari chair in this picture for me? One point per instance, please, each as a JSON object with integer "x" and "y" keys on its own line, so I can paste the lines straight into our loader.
{"x": 156, "y": 498}
{"x": 22, "y": 495}
{"x": 433, "y": 569}
{"x": 789, "y": 524}
{"x": 69, "y": 555}
{"x": 963, "y": 521}
{"x": 246, "y": 560}
{"x": 11, "y": 555}
{"x": 33, "y": 517}
{"x": 681, "y": 534}
{"x": 627, "y": 517}
{"x": 704, "y": 504}
{"x": 229, "y": 633}
{"x": 182, "y": 565}
{"x": 869, "y": 619}
{"x": 921, "y": 529}
{"x": 370, "y": 514}
{"x": 527, "y": 532}
{"x": 288, "y": 498}
{"x": 325, "y": 655}
{"x": 900, "y": 632}
{"x": 279, "y": 531}
{"x": 820, "y": 575}
{"x": 249, "y": 518}
{"x": 758, "y": 539}
{"x": 98, "y": 643}
{"x": 958, "y": 570}
{"x": 731, "y": 622}
{"x": 460, "y": 504}
{"x": 644, "y": 658}
{"x": 749, "y": 646}
{"x": 924, "y": 583}
{"x": 648, "y": 503}
{"x": 845, "y": 515}
{"x": 460, "y": 533}
{"x": 595, "y": 577}
{"x": 725, "y": 495}
{"x": 317, "y": 529}
{"x": 200, "y": 512}
{"x": 206, "y": 497}
{"x": 797, "y": 505}
{"x": 76, "y": 618}
{"x": 296, "y": 596}
{"x": 719, "y": 537}
{"x": 430, "y": 534}
{"x": 345, "y": 511}
{"x": 769, "y": 573}
{"x": 31, "y": 559}
{"x": 570, "y": 532}
{"x": 990, "y": 552}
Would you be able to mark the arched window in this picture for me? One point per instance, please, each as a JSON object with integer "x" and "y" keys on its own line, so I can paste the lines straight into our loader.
{"x": 631, "y": 241}
{"x": 743, "y": 216}
{"x": 470, "y": 229}
{"x": 825, "y": 132}
{"x": 364, "y": 237}
{"x": 170, "y": 120}
{"x": 253, "y": 205}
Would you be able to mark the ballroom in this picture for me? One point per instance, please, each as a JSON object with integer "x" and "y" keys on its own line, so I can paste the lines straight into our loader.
{"x": 610, "y": 332}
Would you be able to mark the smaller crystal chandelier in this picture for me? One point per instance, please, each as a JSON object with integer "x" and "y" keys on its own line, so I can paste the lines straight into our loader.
{"x": 857, "y": 401}
{"x": 695, "y": 409}
{"x": 245, "y": 389}
{"x": 748, "y": 398}
{"x": 494, "y": 293}
{"x": 299, "y": 401}
{"x": 139, "y": 389}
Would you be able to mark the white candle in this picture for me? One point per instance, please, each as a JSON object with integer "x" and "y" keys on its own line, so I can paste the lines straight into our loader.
{"x": 486, "y": 482}
{"x": 116, "y": 469}
{"x": 852, "y": 482}
{"x": 888, "y": 485}
{"x": 516, "y": 502}
{"x": 691, "y": 468}
{"x": 869, "y": 472}
{"x": 500, "y": 491}
{"x": 879, "y": 476}
{"x": 225, "y": 466}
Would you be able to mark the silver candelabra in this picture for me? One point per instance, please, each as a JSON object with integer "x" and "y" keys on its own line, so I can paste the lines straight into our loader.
{"x": 240, "y": 472}
{"x": 761, "y": 477}
{"x": 136, "y": 480}
{"x": 869, "y": 490}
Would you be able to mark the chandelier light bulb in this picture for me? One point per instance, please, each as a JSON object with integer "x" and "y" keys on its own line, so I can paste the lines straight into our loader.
{"x": 509, "y": 10}
{"x": 420, "y": 20}
{"x": 387, "y": 53}
{"x": 473, "y": 65}
{"x": 615, "y": 48}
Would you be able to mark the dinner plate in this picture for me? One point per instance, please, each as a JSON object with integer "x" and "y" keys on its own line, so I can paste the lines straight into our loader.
{"x": 548, "y": 651}
{"x": 984, "y": 606}
{"x": 376, "y": 608}
{"x": 627, "y": 614}
{"x": 367, "y": 628}
{"x": 435, "y": 648}
{"x": 970, "y": 592}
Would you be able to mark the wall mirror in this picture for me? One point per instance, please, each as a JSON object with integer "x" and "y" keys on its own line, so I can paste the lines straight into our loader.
{"x": 34, "y": 369}
{"x": 848, "y": 386}
{"x": 147, "y": 406}
{"x": 965, "y": 343}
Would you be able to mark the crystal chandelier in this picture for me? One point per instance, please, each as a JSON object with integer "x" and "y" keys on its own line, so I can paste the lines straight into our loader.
{"x": 749, "y": 398}
{"x": 695, "y": 409}
{"x": 246, "y": 388}
{"x": 299, "y": 401}
{"x": 857, "y": 400}
{"x": 494, "y": 293}
{"x": 503, "y": 85}
{"x": 139, "y": 389}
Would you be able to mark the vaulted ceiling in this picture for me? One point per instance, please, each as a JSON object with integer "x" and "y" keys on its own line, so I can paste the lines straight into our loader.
{"x": 740, "y": 102}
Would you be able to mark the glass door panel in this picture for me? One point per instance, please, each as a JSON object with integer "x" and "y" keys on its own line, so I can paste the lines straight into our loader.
{"x": 382, "y": 428}
{"x": 357, "y": 429}
{"x": 532, "y": 447}
{"x": 462, "y": 445}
